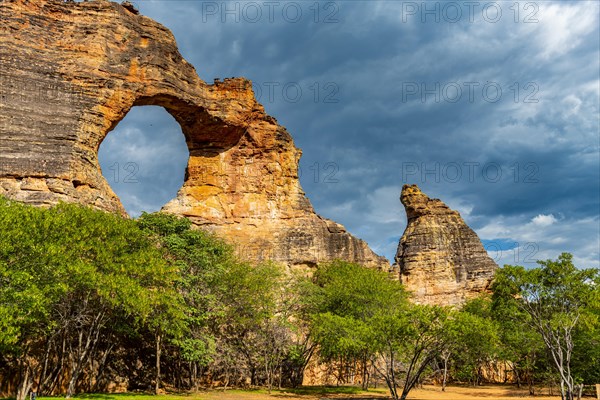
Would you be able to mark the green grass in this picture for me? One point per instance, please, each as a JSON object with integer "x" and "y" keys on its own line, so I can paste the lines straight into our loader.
{"x": 128, "y": 396}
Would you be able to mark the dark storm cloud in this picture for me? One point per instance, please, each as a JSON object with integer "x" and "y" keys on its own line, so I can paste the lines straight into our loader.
{"x": 387, "y": 99}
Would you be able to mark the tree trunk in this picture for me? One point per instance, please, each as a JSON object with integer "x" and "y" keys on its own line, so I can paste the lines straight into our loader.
{"x": 268, "y": 374}
{"x": 252, "y": 375}
{"x": 365, "y": 374}
{"x": 51, "y": 382}
{"x": 158, "y": 353}
{"x": 195, "y": 377}
{"x": 531, "y": 387}
{"x": 393, "y": 391}
{"x": 72, "y": 382}
{"x": 280, "y": 374}
{"x": 25, "y": 385}
{"x": 530, "y": 382}
{"x": 445, "y": 378}
{"x": 42, "y": 378}
{"x": 101, "y": 367}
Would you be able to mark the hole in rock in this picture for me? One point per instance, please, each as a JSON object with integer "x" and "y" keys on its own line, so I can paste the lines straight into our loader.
{"x": 144, "y": 159}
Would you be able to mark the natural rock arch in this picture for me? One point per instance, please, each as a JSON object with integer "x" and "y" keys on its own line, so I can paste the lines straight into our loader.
{"x": 205, "y": 136}
{"x": 144, "y": 159}
{"x": 200, "y": 128}
{"x": 97, "y": 60}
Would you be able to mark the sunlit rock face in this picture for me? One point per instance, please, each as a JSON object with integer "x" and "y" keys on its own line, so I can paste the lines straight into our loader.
{"x": 441, "y": 260}
{"x": 71, "y": 71}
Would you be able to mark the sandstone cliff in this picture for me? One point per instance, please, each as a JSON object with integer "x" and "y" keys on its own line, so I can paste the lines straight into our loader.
{"x": 441, "y": 259}
{"x": 71, "y": 71}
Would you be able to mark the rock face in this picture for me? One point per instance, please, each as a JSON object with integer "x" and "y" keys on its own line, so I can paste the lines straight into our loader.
{"x": 441, "y": 259}
{"x": 71, "y": 71}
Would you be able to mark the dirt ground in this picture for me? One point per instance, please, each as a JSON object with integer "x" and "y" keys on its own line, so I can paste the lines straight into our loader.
{"x": 426, "y": 393}
{"x": 471, "y": 393}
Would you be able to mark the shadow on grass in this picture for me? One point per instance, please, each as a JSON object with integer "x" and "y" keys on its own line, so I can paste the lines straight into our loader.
{"x": 353, "y": 392}
{"x": 112, "y": 396}
{"x": 322, "y": 390}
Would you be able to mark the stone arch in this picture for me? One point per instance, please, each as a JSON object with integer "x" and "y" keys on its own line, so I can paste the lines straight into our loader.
{"x": 205, "y": 135}
{"x": 144, "y": 159}
{"x": 201, "y": 129}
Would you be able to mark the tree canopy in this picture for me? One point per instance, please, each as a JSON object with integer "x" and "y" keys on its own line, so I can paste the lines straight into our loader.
{"x": 87, "y": 297}
{"x": 560, "y": 303}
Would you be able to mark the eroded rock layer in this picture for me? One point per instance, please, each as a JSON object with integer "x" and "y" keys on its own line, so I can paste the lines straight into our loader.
{"x": 71, "y": 71}
{"x": 441, "y": 259}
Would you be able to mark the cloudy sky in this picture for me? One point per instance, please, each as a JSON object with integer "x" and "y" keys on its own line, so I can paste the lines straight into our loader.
{"x": 492, "y": 107}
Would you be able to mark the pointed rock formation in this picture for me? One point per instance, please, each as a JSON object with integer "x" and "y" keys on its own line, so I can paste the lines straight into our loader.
{"x": 70, "y": 73}
{"x": 441, "y": 259}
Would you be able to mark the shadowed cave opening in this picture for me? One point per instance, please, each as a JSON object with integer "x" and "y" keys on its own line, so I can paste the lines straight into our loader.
{"x": 144, "y": 159}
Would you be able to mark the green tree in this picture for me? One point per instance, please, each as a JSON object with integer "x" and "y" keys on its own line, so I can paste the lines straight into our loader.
{"x": 361, "y": 314}
{"x": 201, "y": 258}
{"x": 249, "y": 299}
{"x": 67, "y": 274}
{"x": 473, "y": 339}
{"x": 340, "y": 302}
{"x": 521, "y": 345}
{"x": 409, "y": 340}
{"x": 586, "y": 339}
{"x": 556, "y": 298}
{"x": 234, "y": 310}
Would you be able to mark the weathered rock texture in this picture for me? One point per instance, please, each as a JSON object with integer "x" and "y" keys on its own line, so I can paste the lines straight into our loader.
{"x": 441, "y": 259}
{"x": 71, "y": 71}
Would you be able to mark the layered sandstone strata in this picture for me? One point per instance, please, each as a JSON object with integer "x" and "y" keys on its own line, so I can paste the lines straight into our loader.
{"x": 71, "y": 71}
{"x": 441, "y": 260}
